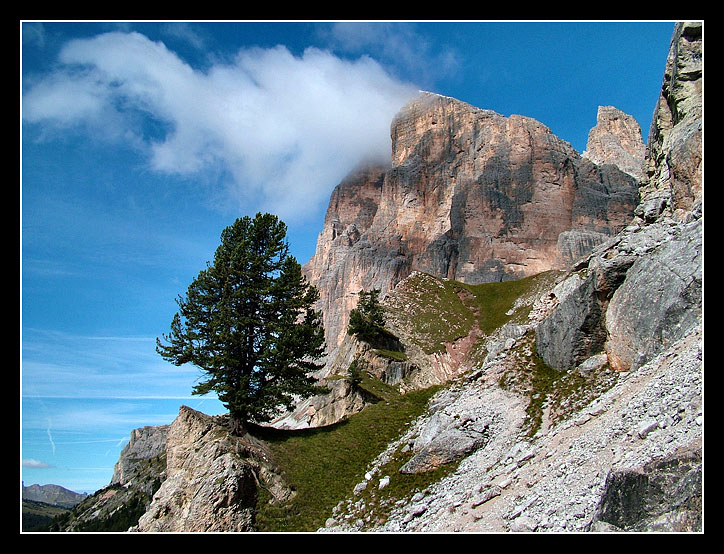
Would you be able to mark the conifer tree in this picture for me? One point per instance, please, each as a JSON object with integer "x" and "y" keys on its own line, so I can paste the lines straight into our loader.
{"x": 366, "y": 321}
{"x": 248, "y": 322}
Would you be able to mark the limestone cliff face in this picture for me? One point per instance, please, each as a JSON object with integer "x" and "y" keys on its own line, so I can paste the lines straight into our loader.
{"x": 145, "y": 443}
{"x": 470, "y": 195}
{"x": 352, "y": 209}
{"x": 673, "y": 181}
{"x": 616, "y": 139}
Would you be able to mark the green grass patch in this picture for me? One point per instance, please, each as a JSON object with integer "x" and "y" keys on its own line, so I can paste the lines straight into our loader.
{"x": 324, "y": 464}
{"x": 434, "y": 312}
{"x": 563, "y": 392}
{"x": 395, "y": 355}
{"x": 494, "y": 301}
{"x": 440, "y": 311}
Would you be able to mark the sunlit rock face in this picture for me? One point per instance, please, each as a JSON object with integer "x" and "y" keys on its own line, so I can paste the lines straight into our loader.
{"x": 469, "y": 195}
{"x": 673, "y": 180}
{"x": 616, "y": 139}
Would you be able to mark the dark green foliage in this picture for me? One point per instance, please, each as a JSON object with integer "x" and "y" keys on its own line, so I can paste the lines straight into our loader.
{"x": 38, "y": 516}
{"x": 367, "y": 322}
{"x": 249, "y": 323}
{"x": 355, "y": 372}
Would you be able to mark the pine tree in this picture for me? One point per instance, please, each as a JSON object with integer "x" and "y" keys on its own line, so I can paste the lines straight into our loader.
{"x": 248, "y": 321}
{"x": 366, "y": 321}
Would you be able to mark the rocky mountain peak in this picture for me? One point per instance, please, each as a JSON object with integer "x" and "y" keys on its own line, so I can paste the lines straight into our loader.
{"x": 616, "y": 139}
{"x": 469, "y": 195}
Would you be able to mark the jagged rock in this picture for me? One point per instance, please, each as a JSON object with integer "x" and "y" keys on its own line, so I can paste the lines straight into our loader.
{"x": 574, "y": 330}
{"x": 471, "y": 195}
{"x": 645, "y": 283}
{"x": 631, "y": 459}
{"x": 351, "y": 211}
{"x": 616, "y": 139}
{"x": 523, "y": 524}
{"x": 659, "y": 302}
{"x": 611, "y": 459}
{"x": 573, "y": 245}
{"x": 344, "y": 399}
{"x": 211, "y": 481}
{"x": 673, "y": 178}
{"x": 145, "y": 443}
{"x": 665, "y": 496}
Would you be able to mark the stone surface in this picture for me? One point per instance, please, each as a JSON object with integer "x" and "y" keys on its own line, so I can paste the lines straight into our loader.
{"x": 665, "y": 495}
{"x": 632, "y": 296}
{"x": 616, "y": 139}
{"x": 470, "y": 195}
{"x": 211, "y": 479}
{"x": 673, "y": 180}
{"x": 660, "y": 300}
{"x": 144, "y": 443}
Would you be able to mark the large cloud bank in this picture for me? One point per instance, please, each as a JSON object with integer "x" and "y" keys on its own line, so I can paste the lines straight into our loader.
{"x": 282, "y": 129}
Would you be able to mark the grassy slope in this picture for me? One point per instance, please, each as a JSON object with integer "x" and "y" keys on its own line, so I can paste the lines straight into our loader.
{"x": 439, "y": 311}
{"x": 324, "y": 464}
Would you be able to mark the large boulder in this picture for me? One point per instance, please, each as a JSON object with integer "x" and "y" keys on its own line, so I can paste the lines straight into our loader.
{"x": 211, "y": 478}
{"x": 659, "y": 301}
{"x": 665, "y": 496}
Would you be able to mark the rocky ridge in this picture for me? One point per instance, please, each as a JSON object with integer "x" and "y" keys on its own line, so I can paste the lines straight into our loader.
{"x": 470, "y": 195}
{"x": 211, "y": 478}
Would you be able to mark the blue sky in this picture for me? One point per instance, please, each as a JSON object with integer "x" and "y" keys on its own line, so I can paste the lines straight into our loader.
{"x": 141, "y": 141}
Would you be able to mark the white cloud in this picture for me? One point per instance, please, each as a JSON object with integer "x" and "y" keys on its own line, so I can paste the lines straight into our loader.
{"x": 285, "y": 128}
{"x": 31, "y": 463}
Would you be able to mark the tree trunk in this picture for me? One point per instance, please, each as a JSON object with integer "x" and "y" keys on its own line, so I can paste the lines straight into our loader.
{"x": 237, "y": 425}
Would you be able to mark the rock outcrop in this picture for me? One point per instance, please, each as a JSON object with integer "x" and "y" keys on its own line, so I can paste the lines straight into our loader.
{"x": 665, "y": 495}
{"x": 211, "y": 478}
{"x": 631, "y": 297}
{"x": 471, "y": 195}
{"x": 616, "y": 139}
{"x": 146, "y": 443}
{"x": 673, "y": 180}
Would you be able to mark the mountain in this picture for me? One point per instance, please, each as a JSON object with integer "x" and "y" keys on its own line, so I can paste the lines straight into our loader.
{"x": 473, "y": 196}
{"x": 543, "y": 363}
{"x": 52, "y": 494}
{"x": 42, "y": 503}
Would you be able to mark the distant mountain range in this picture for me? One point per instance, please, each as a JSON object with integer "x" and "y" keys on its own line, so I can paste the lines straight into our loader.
{"x": 53, "y": 494}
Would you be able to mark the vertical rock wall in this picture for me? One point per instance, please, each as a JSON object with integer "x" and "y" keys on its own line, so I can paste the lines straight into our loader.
{"x": 673, "y": 181}
{"x": 471, "y": 195}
